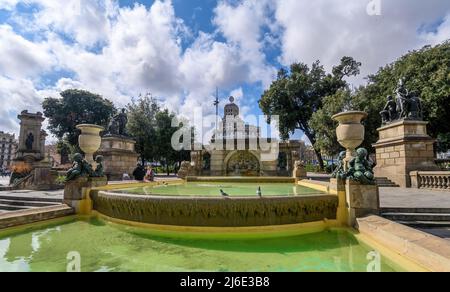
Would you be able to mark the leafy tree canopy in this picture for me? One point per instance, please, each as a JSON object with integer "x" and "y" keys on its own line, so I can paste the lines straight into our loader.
{"x": 152, "y": 128}
{"x": 427, "y": 73}
{"x": 295, "y": 95}
{"x": 74, "y": 108}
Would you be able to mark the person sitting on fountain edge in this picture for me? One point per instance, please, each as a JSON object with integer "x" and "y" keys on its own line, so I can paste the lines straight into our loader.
{"x": 139, "y": 173}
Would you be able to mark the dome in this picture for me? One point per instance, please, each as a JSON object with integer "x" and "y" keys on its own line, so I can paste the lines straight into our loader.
{"x": 231, "y": 109}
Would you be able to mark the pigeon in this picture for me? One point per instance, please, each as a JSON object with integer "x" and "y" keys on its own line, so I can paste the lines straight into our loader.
{"x": 259, "y": 192}
{"x": 224, "y": 194}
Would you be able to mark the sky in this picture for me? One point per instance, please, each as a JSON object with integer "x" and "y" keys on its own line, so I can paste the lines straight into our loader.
{"x": 181, "y": 50}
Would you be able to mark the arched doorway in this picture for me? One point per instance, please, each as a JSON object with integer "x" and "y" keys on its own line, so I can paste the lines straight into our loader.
{"x": 243, "y": 163}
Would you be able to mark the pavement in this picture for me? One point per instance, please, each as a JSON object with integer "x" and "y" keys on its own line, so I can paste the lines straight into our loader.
{"x": 413, "y": 198}
{"x": 439, "y": 232}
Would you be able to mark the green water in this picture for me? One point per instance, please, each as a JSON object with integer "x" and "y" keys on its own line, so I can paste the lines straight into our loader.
{"x": 213, "y": 189}
{"x": 109, "y": 247}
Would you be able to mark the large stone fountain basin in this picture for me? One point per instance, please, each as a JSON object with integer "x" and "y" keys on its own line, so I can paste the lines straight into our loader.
{"x": 216, "y": 212}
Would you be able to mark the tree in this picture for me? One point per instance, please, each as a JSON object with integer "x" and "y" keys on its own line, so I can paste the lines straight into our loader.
{"x": 294, "y": 96}
{"x": 74, "y": 108}
{"x": 164, "y": 132}
{"x": 427, "y": 73}
{"x": 323, "y": 125}
{"x": 142, "y": 125}
{"x": 152, "y": 128}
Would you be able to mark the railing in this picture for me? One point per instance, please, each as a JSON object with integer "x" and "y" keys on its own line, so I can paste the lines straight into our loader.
{"x": 439, "y": 180}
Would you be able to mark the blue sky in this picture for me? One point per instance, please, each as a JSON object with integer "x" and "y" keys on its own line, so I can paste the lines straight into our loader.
{"x": 180, "y": 50}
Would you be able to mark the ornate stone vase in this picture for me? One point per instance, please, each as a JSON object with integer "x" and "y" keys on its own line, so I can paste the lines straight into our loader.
{"x": 350, "y": 132}
{"x": 90, "y": 140}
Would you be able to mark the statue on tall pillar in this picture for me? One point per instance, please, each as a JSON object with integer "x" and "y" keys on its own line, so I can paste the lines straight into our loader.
{"x": 389, "y": 113}
{"x": 402, "y": 95}
{"x": 118, "y": 125}
{"x": 407, "y": 106}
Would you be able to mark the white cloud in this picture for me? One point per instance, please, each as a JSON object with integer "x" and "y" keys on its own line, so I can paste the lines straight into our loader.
{"x": 8, "y": 4}
{"x": 327, "y": 30}
{"x": 441, "y": 34}
{"x": 86, "y": 21}
{"x": 120, "y": 52}
{"x": 243, "y": 26}
{"x": 20, "y": 57}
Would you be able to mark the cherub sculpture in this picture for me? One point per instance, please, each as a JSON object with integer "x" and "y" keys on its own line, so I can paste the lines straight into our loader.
{"x": 339, "y": 173}
{"x": 80, "y": 168}
{"x": 361, "y": 168}
{"x": 99, "y": 171}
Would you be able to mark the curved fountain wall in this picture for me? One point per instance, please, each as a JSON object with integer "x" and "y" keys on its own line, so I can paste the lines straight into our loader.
{"x": 216, "y": 212}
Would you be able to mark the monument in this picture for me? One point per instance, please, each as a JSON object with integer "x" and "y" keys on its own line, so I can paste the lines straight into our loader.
{"x": 404, "y": 144}
{"x": 31, "y": 147}
{"x": 118, "y": 149}
{"x": 234, "y": 156}
{"x": 31, "y": 153}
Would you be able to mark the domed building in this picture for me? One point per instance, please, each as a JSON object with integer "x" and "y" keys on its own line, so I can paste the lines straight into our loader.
{"x": 238, "y": 149}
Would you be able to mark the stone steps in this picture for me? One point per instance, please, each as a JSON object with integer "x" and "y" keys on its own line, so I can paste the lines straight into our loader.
{"x": 17, "y": 203}
{"x": 5, "y": 207}
{"x": 25, "y": 203}
{"x": 419, "y": 217}
{"x": 12, "y": 219}
{"x": 30, "y": 199}
{"x": 405, "y": 217}
{"x": 416, "y": 210}
{"x": 384, "y": 182}
{"x": 425, "y": 224}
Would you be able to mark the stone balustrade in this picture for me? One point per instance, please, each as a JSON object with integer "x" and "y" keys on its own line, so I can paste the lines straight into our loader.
{"x": 431, "y": 180}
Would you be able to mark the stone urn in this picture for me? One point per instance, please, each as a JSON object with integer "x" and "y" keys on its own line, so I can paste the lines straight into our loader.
{"x": 89, "y": 140}
{"x": 350, "y": 132}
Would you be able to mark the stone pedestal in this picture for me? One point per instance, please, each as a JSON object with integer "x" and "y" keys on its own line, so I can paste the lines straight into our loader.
{"x": 76, "y": 193}
{"x": 44, "y": 179}
{"x": 119, "y": 156}
{"x": 404, "y": 146}
{"x": 31, "y": 138}
{"x": 361, "y": 201}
